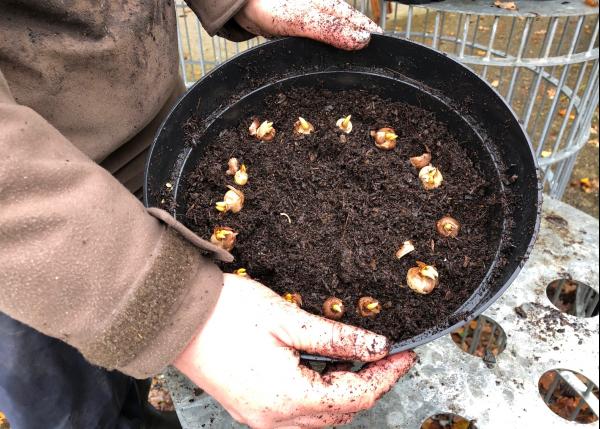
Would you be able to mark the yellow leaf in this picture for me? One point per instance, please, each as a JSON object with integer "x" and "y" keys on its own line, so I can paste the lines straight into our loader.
{"x": 546, "y": 153}
{"x": 495, "y": 83}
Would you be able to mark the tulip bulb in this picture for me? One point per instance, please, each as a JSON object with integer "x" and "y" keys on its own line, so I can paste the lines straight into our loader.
{"x": 223, "y": 237}
{"x": 368, "y": 306}
{"x": 421, "y": 160}
{"x": 430, "y": 177}
{"x": 385, "y": 138}
{"x": 265, "y": 132}
{"x": 233, "y": 201}
{"x": 293, "y": 298}
{"x": 241, "y": 272}
{"x": 422, "y": 279}
{"x": 233, "y": 165}
{"x": 302, "y": 126}
{"x": 333, "y": 308}
{"x": 345, "y": 124}
{"x": 254, "y": 126}
{"x": 262, "y": 131}
{"x": 448, "y": 227}
{"x": 405, "y": 249}
{"x": 241, "y": 176}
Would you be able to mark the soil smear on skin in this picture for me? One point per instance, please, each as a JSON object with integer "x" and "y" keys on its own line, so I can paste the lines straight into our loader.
{"x": 325, "y": 213}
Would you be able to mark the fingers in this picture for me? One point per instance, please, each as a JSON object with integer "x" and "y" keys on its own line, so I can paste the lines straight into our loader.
{"x": 317, "y": 335}
{"x": 317, "y": 421}
{"x": 331, "y": 29}
{"x": 347, "y": 392}
{"x": 343, "y": 10}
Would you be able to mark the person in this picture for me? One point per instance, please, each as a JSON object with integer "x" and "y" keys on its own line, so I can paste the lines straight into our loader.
{"x": 99, "y": 293}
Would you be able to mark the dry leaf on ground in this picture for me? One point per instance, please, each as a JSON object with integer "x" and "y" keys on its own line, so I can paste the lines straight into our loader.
{"x": 586, "y": 184}
{"x": 546, "y": 153}
{"x": 563, "y": 113}
{"x": 592, "y": 3}
{"x": 506, "y": 5}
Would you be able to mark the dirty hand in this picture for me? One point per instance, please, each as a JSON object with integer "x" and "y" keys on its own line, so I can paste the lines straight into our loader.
{"x": 330, "y": 21}
{"x": 246, "y": 357}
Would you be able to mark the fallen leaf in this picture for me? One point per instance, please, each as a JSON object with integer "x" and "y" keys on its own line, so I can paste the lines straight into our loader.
{"x": 462, "y": 424}
{"x": 495, "y": 83}
{"x": 547, "y": 380}
{"x": 592, "y": 3}
{"x": 508, "y": 5}
{"x": 563, "y": 113}
{"x": 586, "y": 184}
{"x": 593, "y": 142}
{"x": 546, "y": 153}
{"x": 551, "y": 93}
{"x": 589, "y": 185}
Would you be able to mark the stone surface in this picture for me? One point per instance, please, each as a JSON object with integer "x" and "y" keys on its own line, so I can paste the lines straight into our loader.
{"x": 450, "y": 380}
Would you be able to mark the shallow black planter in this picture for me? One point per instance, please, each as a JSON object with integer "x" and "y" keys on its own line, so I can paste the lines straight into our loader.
{"x": 393, "y": 68}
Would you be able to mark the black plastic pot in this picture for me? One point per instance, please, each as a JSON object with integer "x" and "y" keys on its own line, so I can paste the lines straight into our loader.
{"x": 391, "y": 67}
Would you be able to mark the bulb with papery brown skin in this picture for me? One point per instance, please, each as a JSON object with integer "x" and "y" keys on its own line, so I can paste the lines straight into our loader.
{"x": 368, "y": 306}
{"x": 431, "y": 177}
{"x": 241, "y": 272}
{"x": 448, "y": 227}
{"x": 423, "y": 278}
{"x": 241, "y": 176}
{"x": 224, "y": 237}
{"x": 293, "y": 298}
{"x": 405, "y": 249}
{"x": 254, "y": 126}
{"x": 233, "y": 165}
{"x": 265, "y": 132}
{"x": 421, "y": 160}
{"x": 302, "y": 126}
{"x": 333, "y": 308}
{"x": 344, "y": 124}
{"x": 233, "y": 201}
{"x": 385, "y": 138}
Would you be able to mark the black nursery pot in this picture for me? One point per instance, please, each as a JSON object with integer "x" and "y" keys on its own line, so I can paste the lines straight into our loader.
{"x": 392, "y": 68}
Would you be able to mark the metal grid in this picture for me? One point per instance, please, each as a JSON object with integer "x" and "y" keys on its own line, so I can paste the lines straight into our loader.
{"x": 586, "y": 299}
{"x": 543, "y": 59}
{"x": 567, "y": 383}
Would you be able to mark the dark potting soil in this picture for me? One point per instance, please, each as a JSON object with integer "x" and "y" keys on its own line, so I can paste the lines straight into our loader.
{"x": 324, "y": 217}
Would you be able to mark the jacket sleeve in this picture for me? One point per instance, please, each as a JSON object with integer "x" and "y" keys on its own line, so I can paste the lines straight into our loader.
{"x": 83, "y": 261}
{"x": 216, "y": 17}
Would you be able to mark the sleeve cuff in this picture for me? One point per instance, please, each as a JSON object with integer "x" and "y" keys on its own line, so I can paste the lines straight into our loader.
{"x": 217, "y": 18}
{"x": 154, "y": 323}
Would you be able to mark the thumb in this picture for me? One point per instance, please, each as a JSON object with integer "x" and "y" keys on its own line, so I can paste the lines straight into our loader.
{"x": 320, "y": 336}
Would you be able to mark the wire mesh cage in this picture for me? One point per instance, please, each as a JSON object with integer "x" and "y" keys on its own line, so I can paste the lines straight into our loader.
{"x": 542, "y": 58}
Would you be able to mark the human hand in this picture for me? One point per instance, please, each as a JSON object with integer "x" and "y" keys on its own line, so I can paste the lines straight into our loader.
{"x": 246, "y": 357}
{"x": 330, "y": 21}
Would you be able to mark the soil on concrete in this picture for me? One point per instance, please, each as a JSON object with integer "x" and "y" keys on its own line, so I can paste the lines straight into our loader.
{"x": 325, "y": 213}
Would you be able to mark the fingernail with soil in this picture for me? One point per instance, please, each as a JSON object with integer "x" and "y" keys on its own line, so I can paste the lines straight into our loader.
{"x": 373, "y": 344}
{"x": 362, "y": 36}
{"x": 376, "y": 29}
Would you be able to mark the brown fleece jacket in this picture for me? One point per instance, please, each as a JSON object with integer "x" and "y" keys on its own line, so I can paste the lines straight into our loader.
{"x": 85, "y": 82}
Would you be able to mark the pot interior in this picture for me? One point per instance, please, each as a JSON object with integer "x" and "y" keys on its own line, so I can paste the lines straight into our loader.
{"x": 384, "y": 86}
{"x": 398, "y": 70}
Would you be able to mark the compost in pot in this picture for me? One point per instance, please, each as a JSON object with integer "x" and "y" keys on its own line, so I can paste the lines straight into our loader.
{"x": 339, "y": 206}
